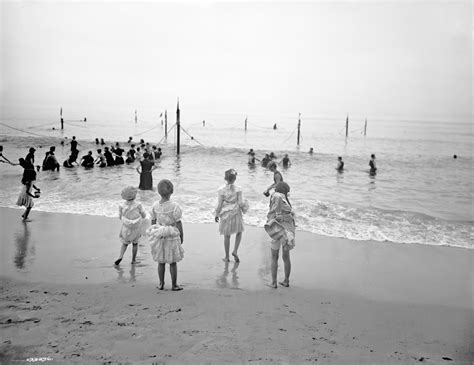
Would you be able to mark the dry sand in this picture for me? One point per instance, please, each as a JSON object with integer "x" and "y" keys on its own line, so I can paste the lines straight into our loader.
{"x": 349, "y": 302}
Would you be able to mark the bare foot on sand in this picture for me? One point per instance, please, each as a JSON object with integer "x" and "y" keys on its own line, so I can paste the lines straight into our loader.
{"x": 286, "y": 284}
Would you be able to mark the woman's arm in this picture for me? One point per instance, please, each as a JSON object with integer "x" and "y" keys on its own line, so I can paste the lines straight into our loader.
{"x": 220, "y": 201}
{"x": 179, "y": 225}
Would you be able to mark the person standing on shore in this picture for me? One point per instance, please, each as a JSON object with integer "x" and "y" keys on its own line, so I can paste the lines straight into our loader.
{"x": 166, "y": 234}
{"x": 131, "y": 214}
{"x": 26, "y": 197}
{"x": 277, "y": 177}
{"x": 145, "y": 170}
{"x": 280, "y": 227}
{"x": 228, "y": 213}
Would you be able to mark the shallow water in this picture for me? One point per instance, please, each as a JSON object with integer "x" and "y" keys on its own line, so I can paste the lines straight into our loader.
{"x": 421, "y": 194}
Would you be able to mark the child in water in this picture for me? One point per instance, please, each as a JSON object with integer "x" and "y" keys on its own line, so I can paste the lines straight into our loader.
{"x": 280, "y": 227}
{"x": 230, "y": 206}
{"x": 26, "y": 197}
{"x": 131, "y": 214}
{"x": 166, "y": 234}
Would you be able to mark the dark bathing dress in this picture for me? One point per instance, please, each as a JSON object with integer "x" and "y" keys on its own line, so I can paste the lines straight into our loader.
{"x": 146, "y": 180}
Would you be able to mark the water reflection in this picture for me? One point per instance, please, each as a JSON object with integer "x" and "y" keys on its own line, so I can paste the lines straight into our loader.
{"x": 22, "y": 241}
{"x": 372, "y": 185}
{"x": 222, "y": 280}
{"x": 177, "y": 165}
{"x": 121, "y": 278}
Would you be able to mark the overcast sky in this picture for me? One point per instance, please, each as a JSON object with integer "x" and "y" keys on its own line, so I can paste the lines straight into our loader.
{"x": 363, "y": 57}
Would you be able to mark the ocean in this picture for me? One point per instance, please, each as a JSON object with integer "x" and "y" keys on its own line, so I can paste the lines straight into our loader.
{"x": 420, "y": 195}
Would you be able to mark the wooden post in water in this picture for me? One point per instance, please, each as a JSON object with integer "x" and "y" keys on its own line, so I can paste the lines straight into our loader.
{"x": 178, "y": 126}
{"x": 365, "y": 127}
{"x": 299, "y": 127}
{"x": 136, "y": 119}
{"x": 245, "y": 123}
{"x": 166, "y": 124}
{"x": 347, "y": 126}
{"x": 61, "y": 117}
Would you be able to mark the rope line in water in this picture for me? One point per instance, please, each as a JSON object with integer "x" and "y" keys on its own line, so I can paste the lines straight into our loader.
{"x": 165, "y": 136}
{"x": 194, "y": 139}
{"x": 21, "y": 130}
{"x": 77, "y": 126}
{"x": 139, "y": 134}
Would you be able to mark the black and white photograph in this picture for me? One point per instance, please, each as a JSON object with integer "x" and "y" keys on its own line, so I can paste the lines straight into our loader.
{"x": 236, "y": 182}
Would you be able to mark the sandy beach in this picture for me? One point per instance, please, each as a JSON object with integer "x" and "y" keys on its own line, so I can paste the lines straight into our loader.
{"x": 63, "y": 301}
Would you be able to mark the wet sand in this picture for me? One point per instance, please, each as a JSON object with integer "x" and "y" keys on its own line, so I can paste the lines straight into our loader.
{"x": 349, "y": 302}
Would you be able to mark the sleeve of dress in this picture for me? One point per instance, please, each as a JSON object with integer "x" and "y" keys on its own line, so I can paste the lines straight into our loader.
{"x": 120, "y": 212}
{"x": 141, "y": 210}
{"x": 243, "y": 203}
{"x": 220, "y": 200}
{"x": 177, "y": 213}
{"x": 152, "y": 213}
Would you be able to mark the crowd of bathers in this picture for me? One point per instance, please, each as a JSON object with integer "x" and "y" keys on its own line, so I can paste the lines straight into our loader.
{"x": 105, "y": 156}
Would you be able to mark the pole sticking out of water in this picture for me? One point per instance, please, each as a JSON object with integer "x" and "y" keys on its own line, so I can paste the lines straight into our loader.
{"x": 347, "y": 126}
{"x": 61, "y": 117}
{"x": 365, "y": 127}
{"x": 166, "y": 124}
{"x": 299, "y": 127}
{"x": 136, "y": 119}
{"x": 245, "y": 122}
{"x": 178, "y": 126}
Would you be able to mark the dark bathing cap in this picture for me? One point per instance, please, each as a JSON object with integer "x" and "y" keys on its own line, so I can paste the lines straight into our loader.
{"x": 165, "y": 187}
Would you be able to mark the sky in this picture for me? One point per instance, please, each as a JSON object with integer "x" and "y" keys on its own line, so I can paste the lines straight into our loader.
{"x": 397, "y": 58}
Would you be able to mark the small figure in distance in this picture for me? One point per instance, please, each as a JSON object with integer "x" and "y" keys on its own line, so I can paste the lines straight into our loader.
{"x": 455, "y": 156}
{"x": 285, "y": 161}
{"x": 97, "y": 141}
{"x": 102, "y": 142}
{"x": 100, "y": 160}
{"x": 252, "y": 158}
{"x": 71, "y": 160}
{"x": 311, "y": 151}
{"x": 203, "y": 123}
{"x": 87, "y": 160}
{"x": 275, "y": 126}
{"x": 340, "y": 164}
{"x": 129, "y": 140}
{"x": 266, "y": 160}
{"x": 373, "y": 167}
